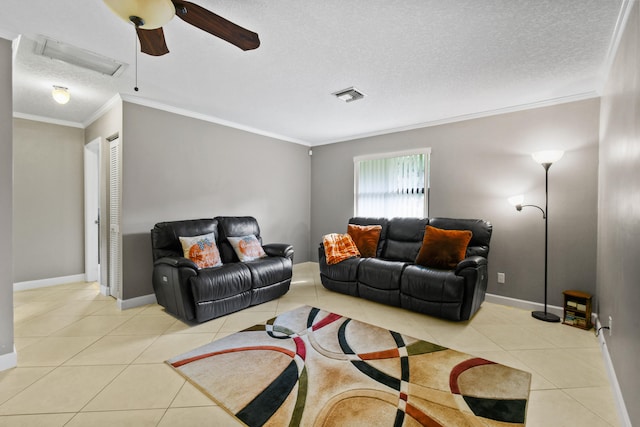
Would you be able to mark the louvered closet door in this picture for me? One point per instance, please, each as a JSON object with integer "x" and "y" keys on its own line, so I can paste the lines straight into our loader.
{"x": 115, "y": 210}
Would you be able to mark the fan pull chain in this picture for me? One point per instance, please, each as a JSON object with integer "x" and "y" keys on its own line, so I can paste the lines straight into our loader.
{"x": 135, "y": 52}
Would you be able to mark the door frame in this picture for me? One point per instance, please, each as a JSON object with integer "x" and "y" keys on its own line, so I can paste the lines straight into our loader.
{"x": 92, "y": 153}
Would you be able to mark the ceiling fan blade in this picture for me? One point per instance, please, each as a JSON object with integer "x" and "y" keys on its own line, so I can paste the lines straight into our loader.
{"x": 216, "y": 25}
{"x": 152, "y": 41}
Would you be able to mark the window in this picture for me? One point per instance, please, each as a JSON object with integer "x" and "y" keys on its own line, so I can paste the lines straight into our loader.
{"x": 393, "y": 184}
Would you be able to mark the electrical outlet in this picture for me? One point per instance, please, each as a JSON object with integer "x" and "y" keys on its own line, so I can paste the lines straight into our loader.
{"x": 500, "y": 277}
{"x": 610, "y": 325}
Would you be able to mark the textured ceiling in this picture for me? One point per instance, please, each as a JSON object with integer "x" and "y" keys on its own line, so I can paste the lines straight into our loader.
{"x": 418, "y": 61}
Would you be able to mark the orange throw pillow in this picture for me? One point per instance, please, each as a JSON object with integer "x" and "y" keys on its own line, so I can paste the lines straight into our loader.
{"x": 338, "y": 247}
{"x": 366, "y": 238}
{"x": 443, "y": 249}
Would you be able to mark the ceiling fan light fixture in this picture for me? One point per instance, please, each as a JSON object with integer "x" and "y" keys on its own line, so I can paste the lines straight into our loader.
{"x": 61, "y": 94}
{"x": 151, "y": 13}
{"x": 349, "y": 95}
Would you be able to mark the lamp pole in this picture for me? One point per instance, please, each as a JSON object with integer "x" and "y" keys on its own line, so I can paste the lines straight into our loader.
{"x": 544, "y": 315}
{"x": 546, "y": 159}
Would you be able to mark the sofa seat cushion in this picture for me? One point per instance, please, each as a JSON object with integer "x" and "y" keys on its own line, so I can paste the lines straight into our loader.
{"x": 429, "y": 284}
{"x": 345, "y": 271}
{"x": 220, "y": 282}
{"x": 380, "y": 274}
{"x": 268, "y": 271}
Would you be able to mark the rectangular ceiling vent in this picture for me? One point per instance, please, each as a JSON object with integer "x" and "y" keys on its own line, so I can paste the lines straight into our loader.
{"x": 349, "y": 94}
{"x": 79, "y": 57}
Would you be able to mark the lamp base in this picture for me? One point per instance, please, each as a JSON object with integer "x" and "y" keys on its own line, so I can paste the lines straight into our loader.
{"x": 545, "y": 316}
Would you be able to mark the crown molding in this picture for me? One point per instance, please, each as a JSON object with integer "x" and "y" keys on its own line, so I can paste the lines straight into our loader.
{"x": 33, "y": 117}
{"x": 100, "y": 111}
{"x": 207, "y": 118}
{"x": 8, "y": 34}
{"x": 465, "y": 117}
{"x": 183, "y": 112}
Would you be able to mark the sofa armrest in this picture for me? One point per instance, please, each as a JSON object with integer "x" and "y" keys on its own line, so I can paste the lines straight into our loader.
{"x": 171, "y": 284}
{"x": 474, "y": 271}
{"x": 322, "y": 255}
{"x": 474, "y": 261}
{"x": 284, "y": 250}
{"x": 176, "y": 262}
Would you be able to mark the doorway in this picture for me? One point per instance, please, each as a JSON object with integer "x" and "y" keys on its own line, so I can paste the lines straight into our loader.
{"x": 92, "y": 212}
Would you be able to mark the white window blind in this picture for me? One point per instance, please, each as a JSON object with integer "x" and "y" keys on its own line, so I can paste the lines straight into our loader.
{"x": 392, "y": 185}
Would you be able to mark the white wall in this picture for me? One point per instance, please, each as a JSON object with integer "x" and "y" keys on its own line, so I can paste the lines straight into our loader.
{"x": 6, "y": 207}
{"x": 48, "y": 209}
{"x": 619, "y": 213}
{"x": 109, "y": 124}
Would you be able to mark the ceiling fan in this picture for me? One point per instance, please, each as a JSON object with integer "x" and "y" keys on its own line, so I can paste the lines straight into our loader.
{"x": 149, "y": 16}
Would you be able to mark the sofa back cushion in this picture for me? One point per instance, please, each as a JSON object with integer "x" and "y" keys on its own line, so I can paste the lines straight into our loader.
{"x": 481, "y": 229}
{"x": 401, "y": 238}
{"x": 165, "y": 236}
{"x": 234, "y": 226}
{"x": 383, "y": 222}
{"x": 404, "y": 239}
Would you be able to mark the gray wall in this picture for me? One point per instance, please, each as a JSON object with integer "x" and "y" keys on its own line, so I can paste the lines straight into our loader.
{"x": 6, "y": 199}
{"x": 110, "y": 123}
{"x": 48, "y": 200}
{"x": 619, "y": 213}
{"x": 176, "y": 167}
{"x": 476, "y": 165}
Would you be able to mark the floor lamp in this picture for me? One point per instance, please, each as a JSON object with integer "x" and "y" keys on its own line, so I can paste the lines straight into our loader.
{"x": 546, "y": 159}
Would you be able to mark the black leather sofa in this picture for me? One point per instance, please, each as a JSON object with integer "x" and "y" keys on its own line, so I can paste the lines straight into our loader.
{"x": 203, "y": 294}
{"x": 393, "y": 278}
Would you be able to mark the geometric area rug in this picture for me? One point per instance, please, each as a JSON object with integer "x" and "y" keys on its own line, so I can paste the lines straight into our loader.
{"x": 310, "y": 367}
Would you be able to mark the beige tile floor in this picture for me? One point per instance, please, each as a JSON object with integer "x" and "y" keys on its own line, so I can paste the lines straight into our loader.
{"x": 83, "y": 362}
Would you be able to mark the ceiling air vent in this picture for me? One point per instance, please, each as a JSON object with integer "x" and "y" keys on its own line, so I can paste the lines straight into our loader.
{"x": 349, "y": 95}
{"x": 79, "y": 57}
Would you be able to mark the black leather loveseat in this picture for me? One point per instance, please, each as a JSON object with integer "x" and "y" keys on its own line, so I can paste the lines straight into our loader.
{"x": 393, "y": 278}
{"x": 201, "y": 294}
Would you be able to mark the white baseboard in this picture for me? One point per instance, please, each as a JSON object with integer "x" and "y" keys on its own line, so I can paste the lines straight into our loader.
{"x": 104, "y": 290}
{"x": 9, "y": 360}
{"x": 623, "y": 414}
{"x": 523, "y": 304}
{"x": 53, "y": 281}
{"x": 124, "y": 304}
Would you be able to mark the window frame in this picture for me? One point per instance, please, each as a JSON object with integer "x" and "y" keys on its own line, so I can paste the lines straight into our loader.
{"x": 388, "y": 155}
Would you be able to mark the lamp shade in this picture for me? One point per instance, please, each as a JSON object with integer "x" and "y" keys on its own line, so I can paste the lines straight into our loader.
{"x": 550, "y": 156}
{"x": 516, "y": 200}
{"x": 61, "y": 94}
{"x": 154, "y": 13}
